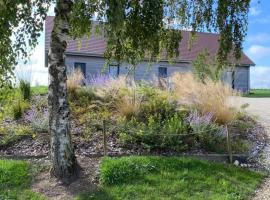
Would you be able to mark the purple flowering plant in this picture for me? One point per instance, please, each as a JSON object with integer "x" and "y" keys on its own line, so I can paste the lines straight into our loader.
{"x": 204, "y": 123}
{"x": 97, "y": 80}
{"x": 197, "y": 119}
{"x": 38, "y": 118}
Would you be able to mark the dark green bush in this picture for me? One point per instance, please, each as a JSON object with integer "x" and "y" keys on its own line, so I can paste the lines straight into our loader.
{"x": 25, "y": 89}
{"x": 157, "y": 125}
{"x": 83, "y": 96}
{"x": 17, "y": 110}
{"x": 14, "y": 133}
{"x": 171, "y": 133}
{"x": 211, "y": 137}
{"x": 156, "y": 103}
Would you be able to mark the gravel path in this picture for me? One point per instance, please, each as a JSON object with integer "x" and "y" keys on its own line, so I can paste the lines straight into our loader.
{"x": 260, "y": 107}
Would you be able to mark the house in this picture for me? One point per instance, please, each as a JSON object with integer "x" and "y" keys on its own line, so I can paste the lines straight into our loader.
{"x": 89, "y": 58}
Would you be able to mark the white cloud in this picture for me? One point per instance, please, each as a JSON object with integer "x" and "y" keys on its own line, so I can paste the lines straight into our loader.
{"x": 259, "y": 38}
{"x": 255, "y": 11}
{"x": 260, "y": 77}
{"x": 258, "y": 51}
{"x": 261, "y": 20}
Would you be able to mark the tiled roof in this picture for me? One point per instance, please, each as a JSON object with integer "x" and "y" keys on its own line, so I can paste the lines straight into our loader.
{"x": 96, "y": 45}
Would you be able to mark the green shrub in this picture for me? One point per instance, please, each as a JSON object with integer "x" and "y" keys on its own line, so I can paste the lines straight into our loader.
{"x": 157, "y": 123}
{"x": 211, "y": 137}
{"x": 38, "y": 119}
{"x": 25, "y": 89}
{"x": 156, "y": 133}
{"x": 13, "y": 133}
{"x": 6, "y": 101}
{"x": 206, "y": 67}
{"x": 83, "y": 96}
{"x": 17, "y": 110}
{"x": 6, "y": 93}
{"x": 156, "y": 102}
{"x": 156, "y": 107}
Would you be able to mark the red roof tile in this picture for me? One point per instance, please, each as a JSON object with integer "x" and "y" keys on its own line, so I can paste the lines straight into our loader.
{"x": 96, "y": 45}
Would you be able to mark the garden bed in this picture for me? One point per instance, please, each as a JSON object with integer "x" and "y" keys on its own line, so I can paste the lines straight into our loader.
{"x": 137, "y": 119}
{"x": 152, "y": 121}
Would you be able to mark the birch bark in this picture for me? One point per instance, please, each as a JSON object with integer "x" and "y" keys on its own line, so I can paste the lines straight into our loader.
{"x": 62, "y": 152}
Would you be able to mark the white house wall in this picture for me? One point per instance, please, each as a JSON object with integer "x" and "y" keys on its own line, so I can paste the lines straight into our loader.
{"x": 96, "y": 65}
{"x": 147, "y": 71}
{"x": 241, "y": 80}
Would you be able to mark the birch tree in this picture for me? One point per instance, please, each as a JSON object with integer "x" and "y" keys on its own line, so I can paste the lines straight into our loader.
{"x": 62, "y": 152}
{"x": 134, "y": 29}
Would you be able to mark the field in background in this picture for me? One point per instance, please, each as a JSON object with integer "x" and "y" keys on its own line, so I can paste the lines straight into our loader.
{"x": 39, "y": 90}
{"x": 258, "y": 93}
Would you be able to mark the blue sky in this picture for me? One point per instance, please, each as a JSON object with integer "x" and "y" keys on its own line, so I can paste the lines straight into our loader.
{"x": 256, "y": 46}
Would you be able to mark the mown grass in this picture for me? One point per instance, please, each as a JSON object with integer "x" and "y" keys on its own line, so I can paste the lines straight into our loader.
{"x": 39, "y": 90}
{"x": 15, "y": 181}
{"x": 172, "y": 178}
{"x": 258, "y": 93}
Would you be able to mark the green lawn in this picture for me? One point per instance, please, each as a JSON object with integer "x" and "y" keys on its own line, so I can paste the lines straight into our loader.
{"x": 15, "y": 181}
{"x": 138, "y": 178}
{"x": 39, "y": 90}
{"x": 258, "y": 93}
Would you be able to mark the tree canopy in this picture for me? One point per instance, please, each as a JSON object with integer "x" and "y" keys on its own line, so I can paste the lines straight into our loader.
{"x": 21, "y": 23}
{"x": 206, "y": 67}
{"x": 133, "y": 28}
{"x": 151, "y": 27}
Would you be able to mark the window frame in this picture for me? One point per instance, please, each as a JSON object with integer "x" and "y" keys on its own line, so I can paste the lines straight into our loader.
{"x": 82, "y": 65}
{"x": 117, "y": 72}
{"x": 161, "y": 73}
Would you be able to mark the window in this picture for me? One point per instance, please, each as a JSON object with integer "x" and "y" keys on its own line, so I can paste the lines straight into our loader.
{"x": 114, "y": 70}
{"x": 81, "y": 66}
{"x": 162, "y": 72}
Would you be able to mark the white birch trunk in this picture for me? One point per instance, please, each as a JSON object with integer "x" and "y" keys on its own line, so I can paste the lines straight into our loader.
{"x": 62, "y": 152}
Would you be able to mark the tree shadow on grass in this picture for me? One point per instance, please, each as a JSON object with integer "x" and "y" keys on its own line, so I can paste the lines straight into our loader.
{"x": 52, "y": 188}
{"x": 99, "y": 194}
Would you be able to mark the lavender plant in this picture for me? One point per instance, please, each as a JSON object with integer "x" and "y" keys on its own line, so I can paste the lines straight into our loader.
{"x": 38, "y": 119}
{"x": 97, "y": 80}
{"x": 210, "y": 135}
{"x": 196, "y": 119}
